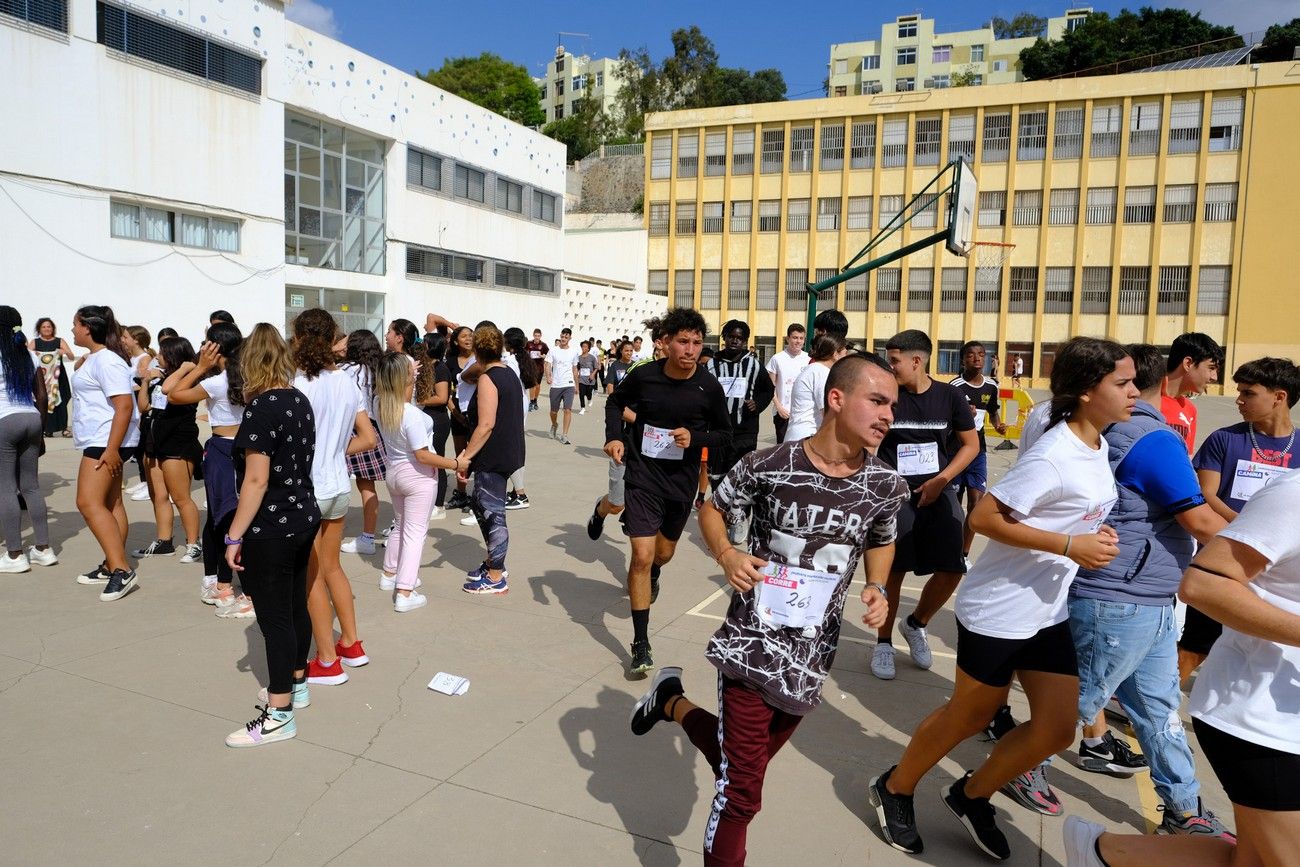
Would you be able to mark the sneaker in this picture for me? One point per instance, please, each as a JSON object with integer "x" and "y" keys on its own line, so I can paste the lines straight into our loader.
{"x": 352, "y": 657}
{"x": 193, "y": 553}
{"x": 582, "y": 411}
{"x": 326, "y": 675}
{"x": 1202, "y": 823}
{"x": 42, "y": 558}
{"x": 236, "y": 608}
{"x": 457, "y": 500}
{"x": 389, "y": 583}
{"x": 359, "y": 545}
{"x": 510, "y": 500}
{"x": 484, "y": 585}
{"x": 641, "y": 661}
{"x": 654, "y": 583}
{"x": 1032, "y": 790}
{"x": 98, "y": 575}
{"x": 388, "y": 531}
{"x": 223, "y": 595}
{"x": 14, "y": 564}
{"x": 596, "y": 523}
{"x": 301, "y": 697}
{"x": 136, "y": 488}
{"x": 141, "y": 495}
{"x": 519, "y": 501}
{"x": 979, "y": 817}
{"x": 1001, "y": 723}
{"x": 120, "y": 583}
{"x": 896, "y": 815}
{"x": 156, "y": 548}
{"x": 438, "y": 513}
{"x": 269, "y": 727}
{"x": 209, "y": 593}
{"x": 564, "y": 440}
{"x": 1080, "y": 838}
{"x": 1112, "y": 756}
{"x": 882, "y": 661}
{"x": 402, "y": 604}
{"x": 468, "y": 520}
{"x": 917, "y": 644}
{"x": 650, "y": 708}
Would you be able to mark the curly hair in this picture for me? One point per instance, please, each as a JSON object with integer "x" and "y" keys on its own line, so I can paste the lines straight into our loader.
{"x": 364, "y": 351}
{"x": 488, "y": 344}
{"x": 683, "y": 319}
{"x": 314, "y": 333}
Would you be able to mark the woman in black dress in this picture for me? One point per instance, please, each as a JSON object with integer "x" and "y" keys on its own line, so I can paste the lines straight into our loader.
{"x": 51, "y": 349}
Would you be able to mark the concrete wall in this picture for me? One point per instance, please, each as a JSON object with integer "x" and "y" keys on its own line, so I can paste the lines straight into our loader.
{"x": 605, "y": 278}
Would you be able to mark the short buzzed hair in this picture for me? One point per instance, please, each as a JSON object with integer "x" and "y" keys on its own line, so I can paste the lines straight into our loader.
{"x": 911, "y": 340}
{"x": 847, "y": 372}
{"x": 1149, "y": 364}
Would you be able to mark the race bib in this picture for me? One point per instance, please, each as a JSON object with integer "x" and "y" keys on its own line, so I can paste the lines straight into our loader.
{"x": 158, "y": 400}
{"x": 980, "y": 416}
{"x": 918, "y": 459}
{"x": 734, "y": 386}
{"x": 794, "y": 598}
{"x": 657, "y": 442}
{"x": 534, "y": 354}
{"x": 1251, "y": 477}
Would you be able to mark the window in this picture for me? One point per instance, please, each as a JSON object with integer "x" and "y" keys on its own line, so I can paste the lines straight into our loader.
{"x": 859, "y": 213}
{"x": 1144, "y": 129}
{"x": 988, "y": 290}
{"x": 796, "y": 219}
{"x": 542, "y": 87}
{"x": 1220, "y": 203}
{"x": 997, "y": 138}
{"x": 1180, "y": 203}
{"x": 688, "y": 155}
{"x": 143, "y": 223}
{"x": 841, "y": 67}
{"x": 1031, "y": 143}
{"x": 952, "y": 290}
{"x": 889, "y": 287}
{"x": 1068, "y": 136}
{"x": 941, "y": 54}
{"x": 559, "y": 85}
{"x": 742, "y": 212}
{"x": 658, "y": 218}
{"x": 710, "y": 289}
{"x": 999, "y": 66}
{"x": 773, "y": 151}
{"x": 920, "y": 290}
{"x": 796, "y": 288}
{"x": 801, "y": 149}
{"x": 907, "y": 29}
{"x": 600, "y": 79}
{"x": 1174, "y": 290}
{"x": 832, "y": 155}
{"x": 544, "y": 206}
{"x": 862, "y": 146}
{"x": 742, "y": 152}
{"x": 889, "y": 209}
{"x": 905, "y": 57}
{"x": 1024, "y": 290}
{"x": 939, "y": 82}
{"x": 738, "y": 289}
{"x": 423, "y": 170}
{"x": 769, "y": 215}
{"x": 1105, "y": 131}
{"x": 893, "y": 150}
{"x": 684, "y": 287}
{"x": 1140, "y": 205}
{"x": 1063, "y": 209}
{"x": 926, "y": 212}
{"x": 1028, "y": 210}
{"x": 961, "y": 136}
{"x": 1058, "y": 290}
{"x": 559, "y": 111}
{"x": 150, "y": 39}
{"x": 579, "y": 83}
{"x": 559, "y": 64}
{"x": 47, "y": 13}
{"x": 841, "y": 90}
{"x": 468, "y": 183}
{"x": 1225, "y": 123}
{"x": 929, "y": 131}
{"x": 510, "y": 196}
{"x": 442, "y": 265}
{"x": 713, "y": 218}
{"x": 715, "y": 154}
{"x": 870, "y": 61}
{"x": 1074, "y": 22}
{"x": 904, "y": 85}
{"x": 977, "y": 54}
{"x": 855, "y": 293}
{"x": 1096, "y": 290}
{"x": 658, "y": 283}
{"x": 685, "y": 218}
{"x": 948, "y": 357}
{"x": 766, "y": 296}
{"x": 992, "y": 208}
{"x": 1185, "y": 126}
{"x": 1212, "y": 294}
{"x": 1134, "y": 283}
{"x": 828, "y": 214}
{"x": 661, "y": 156}
{"x": 1101, "y": 206}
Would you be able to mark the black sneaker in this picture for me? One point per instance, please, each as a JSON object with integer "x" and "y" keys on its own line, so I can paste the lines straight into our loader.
{"x": 642, "y": 661}
{"x": 1111, "y": 756}
{"x": 98, "y": 575}
{"x": 156, "y": 548}
{"x": 596, "y": 523}
{"x": 654, "y": 584}
{"x": 1001, "y": 723}
{"x": 120, "y": 583}
{"x": 517, "y": 501}
{"x": 510, "y": 500}
{"x": 896, "y": 815}
{"x": 978, "y": 816}
{"x": 650, "y": 708}
{"x": 457, "y": 500}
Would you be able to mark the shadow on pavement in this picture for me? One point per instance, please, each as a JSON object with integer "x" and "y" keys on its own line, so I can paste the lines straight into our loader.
{"x": 586, "y": 601}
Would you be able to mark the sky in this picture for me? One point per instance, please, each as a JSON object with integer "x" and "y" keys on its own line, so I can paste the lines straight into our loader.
{"x": 417, "y": 35}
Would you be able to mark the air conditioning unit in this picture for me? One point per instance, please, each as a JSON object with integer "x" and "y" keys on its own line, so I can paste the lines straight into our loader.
{"x": 873, "y": 87}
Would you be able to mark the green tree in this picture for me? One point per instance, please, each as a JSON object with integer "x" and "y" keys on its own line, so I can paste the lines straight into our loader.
{"x": 492, "y": 82}
{"x": 1279, "y": 42}
{"x": 727, "y": 86}
{"x": 583, "y": 131}
{"x": 1023, "y": 25}
{"x": 964, "y": 77}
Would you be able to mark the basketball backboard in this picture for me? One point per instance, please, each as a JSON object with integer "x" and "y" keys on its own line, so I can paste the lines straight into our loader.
{"x": 961, "y": 219}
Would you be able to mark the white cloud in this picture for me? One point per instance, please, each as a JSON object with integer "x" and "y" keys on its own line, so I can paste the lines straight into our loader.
{"x": 313, "y": 15}
{"x": 1254, "y": 17}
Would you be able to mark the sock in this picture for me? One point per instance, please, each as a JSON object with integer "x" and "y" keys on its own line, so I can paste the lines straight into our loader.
{"x": 654, "y": 571}
{"x": 641, "y": 625}
{"x": 1093, "y": 742}
{"x": 913, "y": 623}
{"x": 365, "y": 535}
{"x": 1096, "y": 847}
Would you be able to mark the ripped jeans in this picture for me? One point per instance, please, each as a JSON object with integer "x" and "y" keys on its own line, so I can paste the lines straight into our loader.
{"x": 1131, "y": 652}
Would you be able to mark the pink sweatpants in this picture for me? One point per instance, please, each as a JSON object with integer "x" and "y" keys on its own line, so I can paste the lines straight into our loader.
{"x": 413, "y": 488}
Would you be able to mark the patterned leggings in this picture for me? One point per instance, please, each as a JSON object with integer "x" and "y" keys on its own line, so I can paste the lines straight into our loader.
{"x": 489, "y": 506}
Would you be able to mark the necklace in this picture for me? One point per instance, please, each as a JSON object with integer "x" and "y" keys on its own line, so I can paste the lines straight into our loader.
{"x": 1254, "y": 444}
{"x": 825, "y": 459}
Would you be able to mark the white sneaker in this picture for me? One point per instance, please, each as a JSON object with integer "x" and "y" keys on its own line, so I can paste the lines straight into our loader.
{"x": 469, "y": 520}
{"x": 208, "y": 592}
{"x": 918, "y": 644}
{"x": 42, "y": 558}
{"x": 240, "y": 609}
{"x": 882, "y": 662}
{"x": 388, "y": 531}
{"x": 14, "y": 564}
{"x": 438, "y": 513}
{"x": 193, "y": 553}
{"x": 582, "y": 411}
{"x": 402, "y": 604}
{"x": 359, "y": 545}
{"x": 137, "y": 488}
{"x": 1080, "y": 837}
{"x": 389, "y": 582}
{"x": 141, "y": 495}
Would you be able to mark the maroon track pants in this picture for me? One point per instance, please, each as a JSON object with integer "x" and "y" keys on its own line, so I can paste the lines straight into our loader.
{"x": 738, "y": 742}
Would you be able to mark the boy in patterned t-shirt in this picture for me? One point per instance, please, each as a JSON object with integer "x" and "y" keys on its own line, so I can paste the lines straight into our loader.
{"x": 815, "y": 505}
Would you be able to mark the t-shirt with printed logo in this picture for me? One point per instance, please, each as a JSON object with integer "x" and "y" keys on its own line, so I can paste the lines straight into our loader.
{"x": 800, "y": 518}
{"x": 1244, "y": 467}
{"x": 278, "y": 423}
{"x": 924, "y": 426}
{"x": 983, "y": 400}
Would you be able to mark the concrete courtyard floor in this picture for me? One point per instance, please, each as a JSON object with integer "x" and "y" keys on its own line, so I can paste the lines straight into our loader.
{"x": 115, "y": 713}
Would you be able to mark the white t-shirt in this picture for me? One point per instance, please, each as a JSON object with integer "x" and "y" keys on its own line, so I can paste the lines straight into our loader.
{"x": 9, "y": 407}
{"x": 807, "y": 401}
{"x": 1019, "y": 367}
{"x": 415, "y": 433}
{"x": 1061, "y": 485}
{"x": 220, "y": 412}
{"x": 1250, "y": 687}
{"x": 562, "y": 362}
{"x": 361, "y": 376}
{"x": 785, "y": 367}
{"x": 335, "y": 402}
{"x": 1035, "y": 424}
{"x": 102, "y": 375}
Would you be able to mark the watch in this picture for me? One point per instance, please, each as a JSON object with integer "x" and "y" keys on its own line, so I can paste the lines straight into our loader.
{"x": 230, "y": 541}
{"x": 884, "y": 591}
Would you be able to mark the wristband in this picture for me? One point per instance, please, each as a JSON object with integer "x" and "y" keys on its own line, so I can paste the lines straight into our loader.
{"x": 718, "y": 559}
{"x": 230, "y": 541}
{"x": 883, "y": 590}
{"x": 1066, "y": 552}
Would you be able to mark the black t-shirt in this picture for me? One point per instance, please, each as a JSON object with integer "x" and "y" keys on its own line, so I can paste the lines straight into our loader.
{"x": 504, "y": 450}
{"x": 983, "y": 400}
{"x": 441, "y": 373}
{"x": 279, "y": 424}
{"x": 924, "y": 425}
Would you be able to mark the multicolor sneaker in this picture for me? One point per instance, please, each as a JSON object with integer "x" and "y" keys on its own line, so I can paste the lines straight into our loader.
{"x": 1202, "y": 823}
{"x": 352, "y": 657}
{"x": 193, "y": 553}
{"x": 326, "y": 675}
{"x": 1032, "y": 790}
{"x": 301, "y": 696}
{"x": 237, "y": 608}
{"x": 269, "y": 726}
{"x": 484, "y": 585}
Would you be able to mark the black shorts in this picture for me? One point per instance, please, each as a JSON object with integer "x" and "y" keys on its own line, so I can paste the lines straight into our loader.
{"x": 126, "y": 453}
{"x": 930, "y": 539}
{"x": 646, "y": 514}
{"x": 992, "y": 661}
{"x": 1199, "y": 632}
{"x": 1252, "y": 775}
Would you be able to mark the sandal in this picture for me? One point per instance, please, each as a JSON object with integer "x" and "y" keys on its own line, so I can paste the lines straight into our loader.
{"x": 67, "y": 434}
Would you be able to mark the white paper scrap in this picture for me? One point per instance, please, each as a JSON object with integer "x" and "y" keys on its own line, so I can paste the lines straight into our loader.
{"x": 449, "y": 684}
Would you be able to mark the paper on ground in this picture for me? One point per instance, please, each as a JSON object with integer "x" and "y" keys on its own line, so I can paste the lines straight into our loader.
{"x": 449, "y": 684}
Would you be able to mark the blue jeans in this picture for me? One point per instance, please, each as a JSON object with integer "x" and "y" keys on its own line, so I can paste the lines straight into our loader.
{"x": 1130, "y": 651}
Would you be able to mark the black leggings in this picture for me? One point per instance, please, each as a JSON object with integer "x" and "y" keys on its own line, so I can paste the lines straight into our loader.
{"x": 585, "y": 392}
{"x": 441, "y": 430}
{"x": 275, "y": 578}
{"x": 214, "y": 547}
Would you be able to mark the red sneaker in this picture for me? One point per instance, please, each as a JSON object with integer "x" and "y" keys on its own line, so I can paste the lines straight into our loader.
{"x": 352, "y": 657}
{"x": 326, "y": 675}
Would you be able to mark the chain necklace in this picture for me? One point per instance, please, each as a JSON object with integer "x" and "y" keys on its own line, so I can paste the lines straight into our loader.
{"x": 1254, "y": 444}
{"x": 825, "y": 459}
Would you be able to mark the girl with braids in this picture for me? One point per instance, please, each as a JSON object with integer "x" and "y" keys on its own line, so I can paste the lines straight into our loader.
{"x": 342, "y": 427}
{"x": 23, "y": 405}
{"x": 105, "y": 432}
{"x": 362, "y": 354}
{"x": 460, "y": 355}
{"x": 51, "y": 351}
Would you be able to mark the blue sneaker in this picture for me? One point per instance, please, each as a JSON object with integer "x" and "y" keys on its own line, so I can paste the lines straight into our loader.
{"x": 485, "y": 585}
{"x": 478, "y": 571}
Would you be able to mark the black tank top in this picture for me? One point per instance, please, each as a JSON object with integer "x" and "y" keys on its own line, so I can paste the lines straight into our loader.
{"x": 504, "y": 451}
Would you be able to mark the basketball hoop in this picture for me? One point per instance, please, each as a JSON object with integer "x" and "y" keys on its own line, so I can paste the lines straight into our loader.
{"x": 989, "y": 257}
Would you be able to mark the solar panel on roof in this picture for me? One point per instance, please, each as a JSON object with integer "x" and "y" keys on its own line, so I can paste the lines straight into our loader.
{"x": 1209, "y": 61}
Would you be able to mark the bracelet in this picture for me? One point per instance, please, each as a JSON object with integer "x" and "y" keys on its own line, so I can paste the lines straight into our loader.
{"x": 881, "y": 588}
{"x": 1066, "y": 552}
{"x": 230, "y": 541}
{"x": 718, "y": 558}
